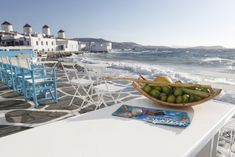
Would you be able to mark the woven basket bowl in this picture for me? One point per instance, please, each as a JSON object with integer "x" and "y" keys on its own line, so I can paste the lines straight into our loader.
{"x": 213, "y": 93}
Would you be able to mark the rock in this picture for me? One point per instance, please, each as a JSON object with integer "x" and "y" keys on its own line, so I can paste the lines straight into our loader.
{"x": 31, "y": 117}
{"x": 14, "y": 104}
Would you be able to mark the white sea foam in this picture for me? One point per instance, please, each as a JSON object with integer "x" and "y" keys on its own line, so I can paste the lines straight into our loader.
{"x": 217, "y": 59}
{"x": 134, "y": 68}
{"x": 154, "y": 70}
{"x": 221, "y": 80}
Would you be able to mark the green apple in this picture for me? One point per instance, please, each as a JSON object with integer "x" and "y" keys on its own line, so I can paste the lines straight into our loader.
{"x": 171, "y": 99}
{"x": 147, "y": 88}
{"x": 155, "y": 93}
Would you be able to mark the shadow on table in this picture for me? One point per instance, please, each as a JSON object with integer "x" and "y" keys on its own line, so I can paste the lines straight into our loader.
{"x": 106, "y": 113}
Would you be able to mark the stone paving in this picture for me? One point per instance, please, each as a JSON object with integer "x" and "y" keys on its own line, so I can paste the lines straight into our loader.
{"x": 18, "y": 115}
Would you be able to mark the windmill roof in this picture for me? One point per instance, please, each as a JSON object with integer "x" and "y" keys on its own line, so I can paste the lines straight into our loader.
{"x": 27, "y": 25}
{"x": 45, "y": 26}
{"x": 61, "y": 31}
{"x": 6, "y": 23}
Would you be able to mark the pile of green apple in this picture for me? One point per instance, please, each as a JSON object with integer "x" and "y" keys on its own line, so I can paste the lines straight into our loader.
{"x": 176, "y": 94}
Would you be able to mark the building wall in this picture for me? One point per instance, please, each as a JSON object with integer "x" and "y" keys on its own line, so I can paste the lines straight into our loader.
{"x": 72, "y": 45}
{"x": 67, "y": 45}
{"x": 42, "y": 44}
{"x": 101, "y": 46}
{"x": 12, "y": 39}
{"x": 12, "y": 36}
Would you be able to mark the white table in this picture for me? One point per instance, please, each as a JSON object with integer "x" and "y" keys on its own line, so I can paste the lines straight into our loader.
{"x": 99, "y": 134}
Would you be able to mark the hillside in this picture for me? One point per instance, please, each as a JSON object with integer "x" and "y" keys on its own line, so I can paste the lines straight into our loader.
{"x": 135, "y": 46}
{"x": 115, "y": 45}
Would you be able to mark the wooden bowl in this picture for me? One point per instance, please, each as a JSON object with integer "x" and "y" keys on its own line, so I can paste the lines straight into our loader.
{"x": 138, "y": 86}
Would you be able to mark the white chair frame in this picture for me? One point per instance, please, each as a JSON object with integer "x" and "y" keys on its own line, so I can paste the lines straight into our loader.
{"x": 79, "y": 80}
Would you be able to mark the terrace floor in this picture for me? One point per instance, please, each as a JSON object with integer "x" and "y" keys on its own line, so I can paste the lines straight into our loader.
{"x": 18, "y": 115}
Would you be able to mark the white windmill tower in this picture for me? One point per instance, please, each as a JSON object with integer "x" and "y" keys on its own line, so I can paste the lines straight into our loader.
{"x": 46, "y": 30}
{"x": 7, "y": 26}
{"x": 61, "y": 34}
{"x": 27, "y": 29}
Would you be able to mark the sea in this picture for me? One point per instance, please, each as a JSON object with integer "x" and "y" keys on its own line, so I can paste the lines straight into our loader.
{"x": 206, "y": 66}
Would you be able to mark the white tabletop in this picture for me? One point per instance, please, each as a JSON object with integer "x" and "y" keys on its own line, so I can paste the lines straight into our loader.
{"x": 99, "y": 134}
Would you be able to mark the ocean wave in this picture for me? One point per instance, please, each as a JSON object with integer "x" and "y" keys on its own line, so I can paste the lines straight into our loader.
{"x": 217, "y": 59}
{"x": 221, "y": 80}
{"x": 150, "y": 71}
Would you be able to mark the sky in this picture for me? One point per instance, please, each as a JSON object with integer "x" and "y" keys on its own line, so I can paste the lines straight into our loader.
{"x": 177, "y": 23}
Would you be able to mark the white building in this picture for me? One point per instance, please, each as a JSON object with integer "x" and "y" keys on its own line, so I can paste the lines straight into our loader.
{"x": 65, "y": 44}
{"x": 100, "y": 46}
{"x": 82, "y": 45}
{"x": 41, "y": 42}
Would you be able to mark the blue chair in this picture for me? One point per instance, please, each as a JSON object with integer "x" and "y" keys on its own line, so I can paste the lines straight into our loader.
{"x": 35, "y": 82}
{"x": 39, "y": 81}
{"x": 7, "y": 73}
{"x": 1, "y": 69}
{"x": 17, "y": 75}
